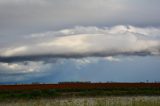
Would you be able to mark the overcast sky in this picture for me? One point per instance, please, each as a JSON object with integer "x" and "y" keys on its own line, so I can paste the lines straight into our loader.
{"x": 79, "y": 40}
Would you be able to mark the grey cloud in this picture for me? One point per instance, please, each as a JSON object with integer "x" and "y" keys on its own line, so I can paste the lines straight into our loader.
{"x": 84, "y": 42}
{"x": 52, "y": 58}
{"x": 31, "y": 34}
{"x": 19, "y": 17}
{"x": 20, "y": 71}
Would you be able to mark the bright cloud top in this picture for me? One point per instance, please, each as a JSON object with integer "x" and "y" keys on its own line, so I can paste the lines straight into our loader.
{"x": 85, "y": 42}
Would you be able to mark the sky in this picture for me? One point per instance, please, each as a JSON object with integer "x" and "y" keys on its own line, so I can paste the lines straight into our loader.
{"x": 50, "y": 41}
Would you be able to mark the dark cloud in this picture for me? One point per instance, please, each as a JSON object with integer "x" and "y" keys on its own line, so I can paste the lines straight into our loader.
{"x": 53, "y": 58}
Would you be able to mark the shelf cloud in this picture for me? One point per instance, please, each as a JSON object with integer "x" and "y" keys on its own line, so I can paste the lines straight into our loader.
{"x": 84, "y": 42}
{"x": 41, "y": 40}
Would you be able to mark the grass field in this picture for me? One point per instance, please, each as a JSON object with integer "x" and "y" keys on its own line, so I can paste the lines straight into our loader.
{"x": 88, "y": 101}
{"x": 81, "y": 94}
{"x": 33, "y": 91}
{"x": 57, "y": 93}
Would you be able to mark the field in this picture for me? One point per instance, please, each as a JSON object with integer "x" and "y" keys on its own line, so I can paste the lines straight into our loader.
{"x": 81, "y": 94}
{"x": 79, "y": 85}
{"x": 89, "y": 101}
{"x": 78, "y": 89}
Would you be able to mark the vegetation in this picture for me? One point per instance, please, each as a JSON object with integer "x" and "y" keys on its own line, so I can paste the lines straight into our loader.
{"x": 81, "y": 94}
{"x": 52, "y": 93}
{"x": 89, "y": 101}
{"x": 85, "y": 89}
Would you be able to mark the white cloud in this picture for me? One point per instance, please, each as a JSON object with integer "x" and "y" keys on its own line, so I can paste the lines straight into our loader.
{"x": 110, "y": 58}
{"x": 90, "y": 41}
{"x": 27, "y": 67}
{"x": 10, "y": 52}
{"x": 10, "y": 72}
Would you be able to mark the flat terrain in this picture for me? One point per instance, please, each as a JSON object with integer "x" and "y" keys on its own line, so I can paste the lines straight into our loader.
{"x": 63, "y": 90}
{"x": 88, "y": 101}
{"x": 79, "y": 86}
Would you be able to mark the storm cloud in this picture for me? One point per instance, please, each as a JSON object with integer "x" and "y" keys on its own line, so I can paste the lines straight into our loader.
{"x": 51, "y": 38}
{"x": 84, "y": 42}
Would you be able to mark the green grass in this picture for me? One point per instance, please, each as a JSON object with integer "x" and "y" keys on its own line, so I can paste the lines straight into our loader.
{"x": 54, "y": 93}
